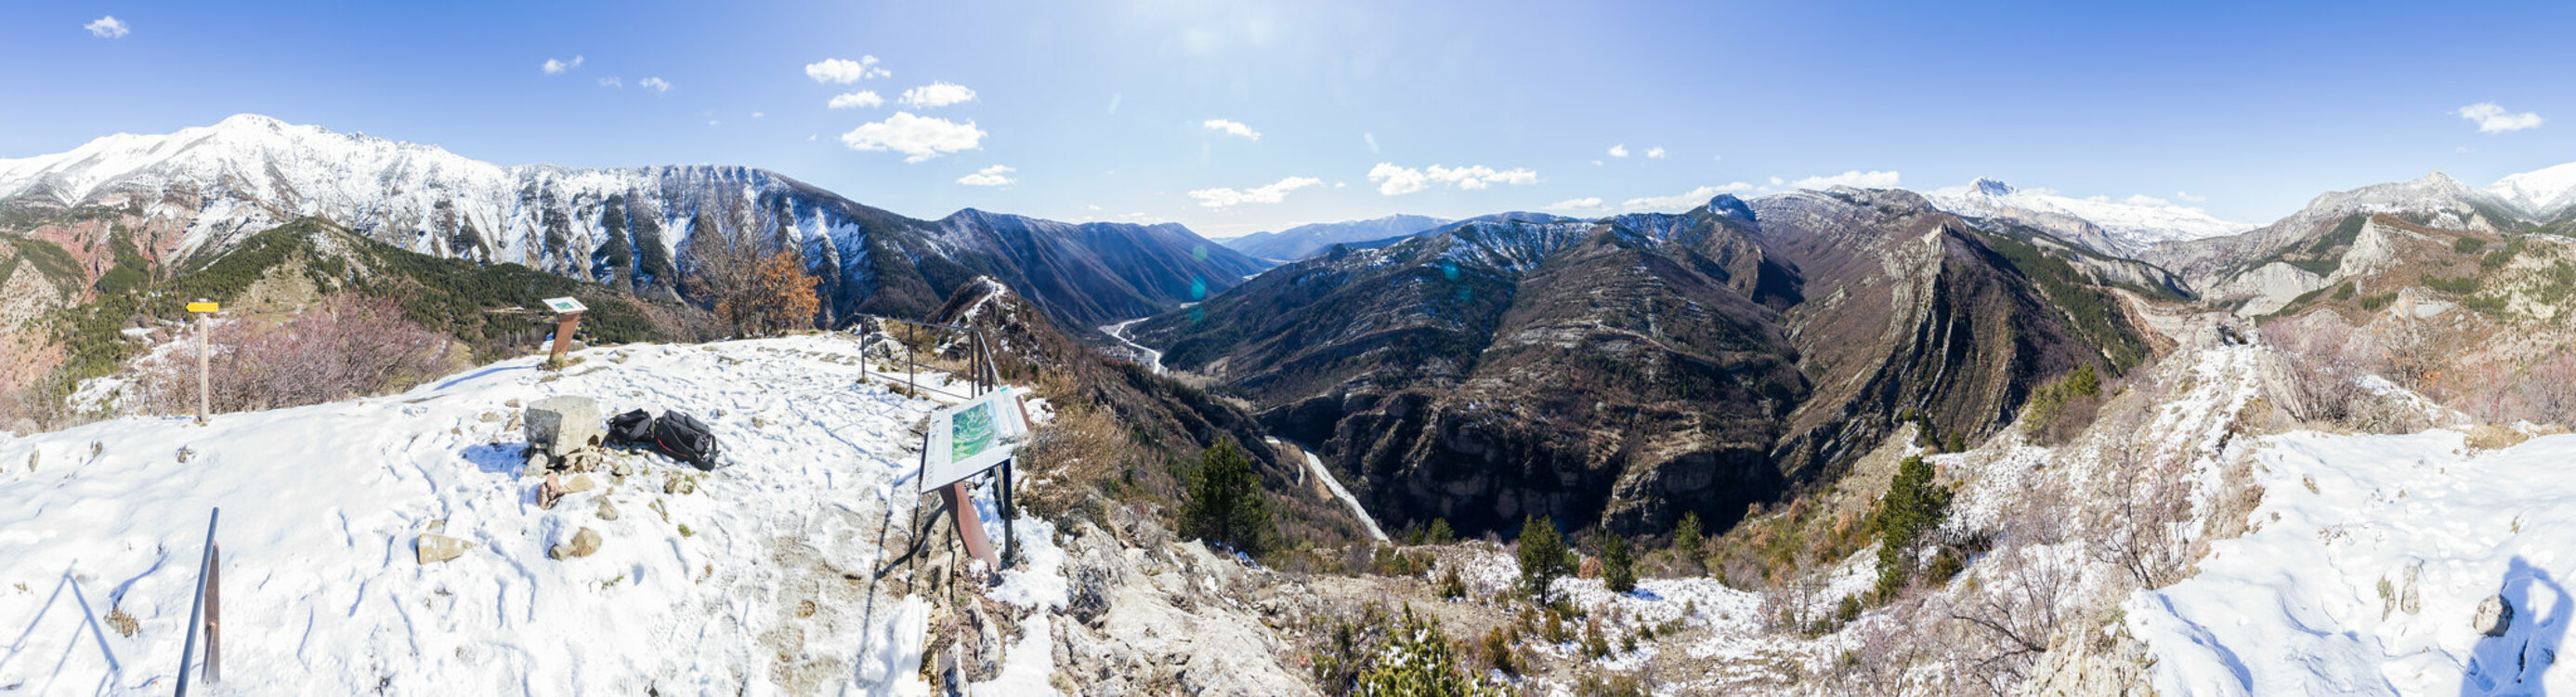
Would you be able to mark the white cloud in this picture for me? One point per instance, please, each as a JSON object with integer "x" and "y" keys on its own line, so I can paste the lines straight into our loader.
{"x": 557, "y": 67}
{"x": 917, "y": 137}
{"x": 936, "y": 94}
{"x": 1717, "y": 158}
{"x": 757, "y": 114}
{"x": 2494, "y": 119}
{"x": 1371, "y": 138}
{"x": 992, "y": 176}
{"x": 2189, "y": 198}
{"x": 845, "y": 71}
{"x": 1273, "y": 192}
{"x": 1587, "y": 203}
{"x": 862, "y": 98}
{"x": 655, "y": 84}
{"x": 1231, "y": 128}
{"x": 1775, "y": 181}
{"x": 1685, "y": 200}
{"x": 1853, "y": 178}
{"x": 612, "y": 82}
{"x": 713, "y": 122}
{"x": 108, "y": 27}
{"x": 1394, "y": 181}
{"x": 1656, "y": 154}
{"x": 1620, "y": 150}
{"x": 1597, "y": 163}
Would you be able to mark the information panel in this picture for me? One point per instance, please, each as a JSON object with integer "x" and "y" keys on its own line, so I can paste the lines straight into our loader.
{"x": 973, "y": 437}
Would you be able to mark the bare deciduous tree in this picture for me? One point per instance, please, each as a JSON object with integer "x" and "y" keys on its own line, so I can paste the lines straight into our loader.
{"x": 342, "y": 346}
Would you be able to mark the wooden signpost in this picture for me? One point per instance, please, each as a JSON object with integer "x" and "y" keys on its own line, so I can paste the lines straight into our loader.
{"x": 203, "y": 309}
{"x": 567, "y": 315}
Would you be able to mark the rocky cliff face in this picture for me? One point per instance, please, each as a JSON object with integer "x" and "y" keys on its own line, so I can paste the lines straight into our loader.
{"x": 1630, "y": 369}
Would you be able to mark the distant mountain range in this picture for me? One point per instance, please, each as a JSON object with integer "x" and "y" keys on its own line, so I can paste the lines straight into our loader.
{"x": 1308, "y": 240}
{"x": 2123, "y": 227}
{"x": 201, "y": 190}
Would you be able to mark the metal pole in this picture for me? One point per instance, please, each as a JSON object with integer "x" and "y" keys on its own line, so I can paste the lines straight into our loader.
{"x": 214, "y": 610}
{"x": 197, "y": 608}
{"x": 205, "y": 324}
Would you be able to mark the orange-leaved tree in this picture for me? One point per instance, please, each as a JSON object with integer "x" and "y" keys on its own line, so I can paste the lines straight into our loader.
{"x": 779, "y": 297}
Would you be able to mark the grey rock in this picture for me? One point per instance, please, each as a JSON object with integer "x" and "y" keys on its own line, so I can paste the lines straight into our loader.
{"x": 562, "y": 424}
{"x": 580, "y": 483}
{"x": 2495, "y": 615}
{"x": 432, "y": 549}
{"x": 606, "y": 510}
{"x": 538, "y": 463}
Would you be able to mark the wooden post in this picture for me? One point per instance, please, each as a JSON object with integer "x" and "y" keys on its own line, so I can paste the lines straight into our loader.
{"x": 205, "y": 325}
{"x": 214, "y": 611}
{"x": 910, "y": 366}
{"x": 970, "y": 528}
{"x": 563, "y": 337}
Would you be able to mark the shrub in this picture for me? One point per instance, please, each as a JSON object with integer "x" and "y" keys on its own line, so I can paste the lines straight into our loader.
{"x": 1688, "y": 542}
{"x": 1544, "y": 558}
{"x": 1418, "y": 660}
{"x": 2468, "y": 245}
{"x": 345, "y": 345}
{"x": 1225, "y": 500}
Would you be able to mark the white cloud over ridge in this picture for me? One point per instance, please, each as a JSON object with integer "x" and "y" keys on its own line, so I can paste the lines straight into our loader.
{"x": 1854, "y": 178}
{"x": 559, "y": 67}
{"x": 2494, "y": 119}
{"x": 936, "y": 94}
{"x": 860, "y": 99}
{"x": 1273, "y": 192}
{"x": 108, "y": 27}
{"x": 1587, "y": 203}
{"x": 1396, "y": 181}
{"x": 1687, "y": 200}
{"x": 989, "y": 176}
{"x": 845, "y": 71}
{"x": 1231, "y": 128}
{"x": 919, "y": 138}
{"x": 655, "y": 84}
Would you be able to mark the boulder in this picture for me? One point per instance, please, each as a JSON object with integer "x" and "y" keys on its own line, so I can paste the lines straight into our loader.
{"x": 580, "y": 483}
{"x": 562, "y": 424}
{"x": 2495, "y": 615}
{"x": 432, "y": 549}
{"x": 583, "y": 543}
{"x": 606, "y": 510}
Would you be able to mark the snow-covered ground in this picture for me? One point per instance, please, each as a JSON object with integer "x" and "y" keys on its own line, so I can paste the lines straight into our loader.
{"x": 2370, "y": 556}
{"x": 762, "y": 581}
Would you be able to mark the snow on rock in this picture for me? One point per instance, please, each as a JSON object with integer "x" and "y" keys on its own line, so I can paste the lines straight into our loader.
{"x": 744, "y": 585}
{"x": 2541, "y": 192}
{"x": 2368, "y": 560}
{"x": 2129, "y": 224}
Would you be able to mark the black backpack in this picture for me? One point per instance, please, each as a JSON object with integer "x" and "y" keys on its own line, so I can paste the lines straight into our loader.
{"x": 631, "y": 428}
{"x": 686, "y": 439}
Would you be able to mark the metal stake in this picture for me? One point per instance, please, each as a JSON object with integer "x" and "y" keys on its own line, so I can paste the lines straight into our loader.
{"x": 196, "y": 608}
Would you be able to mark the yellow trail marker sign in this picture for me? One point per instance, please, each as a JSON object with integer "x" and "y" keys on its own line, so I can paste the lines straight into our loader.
{"x": 201, "y": 307}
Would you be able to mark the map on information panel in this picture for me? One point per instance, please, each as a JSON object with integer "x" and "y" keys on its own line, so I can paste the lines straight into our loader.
{"x": 972, "y": 437}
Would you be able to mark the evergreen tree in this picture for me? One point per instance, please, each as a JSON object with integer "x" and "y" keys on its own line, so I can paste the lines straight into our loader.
{"x": 1913, "y": 506}
{"x": 1225, "y": 502}
{"x": 1618, "y": 569}
{"x": 1419, "y": 661}
{"x": 1543, "y": 556}
{"x": 1688, "y": 543}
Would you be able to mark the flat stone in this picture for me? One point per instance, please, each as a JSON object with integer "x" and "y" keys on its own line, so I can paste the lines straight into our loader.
{"x": 606, "y": 510}
{"x": 580, "y": 483}
{"x": 583, "y": 544}
{"x": 562, "y": 424}
{"x": 432, "y": 549}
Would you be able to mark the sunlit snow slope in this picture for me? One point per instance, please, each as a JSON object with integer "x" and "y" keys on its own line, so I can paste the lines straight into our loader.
{"x": 765, "y": 589}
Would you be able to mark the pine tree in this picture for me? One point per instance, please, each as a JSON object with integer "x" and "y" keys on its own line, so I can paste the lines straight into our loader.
{"x": 1913, "y": 506}
{"x": 1543, "y": 557}
{"x": 1618, "y": 569}
{"x": 1688, "y": 544}
{"x": 1225, "y": 502}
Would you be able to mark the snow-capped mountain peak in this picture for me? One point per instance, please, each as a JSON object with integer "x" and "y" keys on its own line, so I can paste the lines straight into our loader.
{"x": 2542, "y": 192}
{"x": 2117, "y": 226}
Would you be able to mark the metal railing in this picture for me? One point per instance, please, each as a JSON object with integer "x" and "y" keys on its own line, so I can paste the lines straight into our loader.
{"x": 206, "y": 608}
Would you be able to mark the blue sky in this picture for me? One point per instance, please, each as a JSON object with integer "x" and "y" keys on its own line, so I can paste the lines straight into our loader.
{"x": 1101, "y": 110}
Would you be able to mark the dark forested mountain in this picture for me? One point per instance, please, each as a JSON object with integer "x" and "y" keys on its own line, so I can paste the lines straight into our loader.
{"x": 1308, "y": 240}
{"x": 1630, "y": 369}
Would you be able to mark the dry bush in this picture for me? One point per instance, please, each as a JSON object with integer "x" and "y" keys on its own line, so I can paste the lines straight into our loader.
{"x": 2018, "y": 599}
{"x": 2145, "y": 500}
{"x": 1074, "y": 456}
{"x": 343, "y": 346}
{"x": 2317, "y": 383}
